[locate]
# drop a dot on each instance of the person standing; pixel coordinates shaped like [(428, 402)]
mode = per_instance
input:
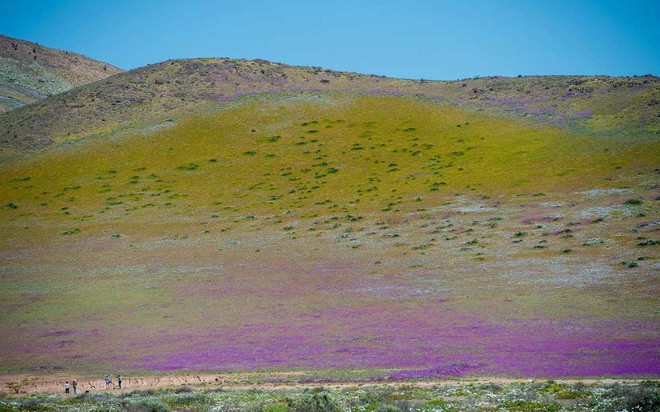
[(75, 387), (66, 387), (119, 380), (108, 381)]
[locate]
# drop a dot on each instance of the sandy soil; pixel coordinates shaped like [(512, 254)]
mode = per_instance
[(53, 384)]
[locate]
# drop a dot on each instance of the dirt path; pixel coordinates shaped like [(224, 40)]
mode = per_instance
[(54, 384)]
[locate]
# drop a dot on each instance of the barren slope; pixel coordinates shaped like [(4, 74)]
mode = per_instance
[(30, 72)]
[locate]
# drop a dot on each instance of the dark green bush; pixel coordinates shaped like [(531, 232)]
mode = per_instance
[(643, 397), (315, 402), (189, 166), (183, 389), (521, 405), (388, 408), (145, 405)]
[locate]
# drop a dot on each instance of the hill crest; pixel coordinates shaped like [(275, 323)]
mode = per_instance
[(145, 97), (29, 72)]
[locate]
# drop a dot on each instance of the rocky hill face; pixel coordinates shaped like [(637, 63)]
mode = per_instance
[(146, 97), (30, 72)]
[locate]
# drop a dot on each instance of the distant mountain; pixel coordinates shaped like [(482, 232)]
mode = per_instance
[(30, 72), (146, 97)]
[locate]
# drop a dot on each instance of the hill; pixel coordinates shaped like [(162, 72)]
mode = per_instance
[(30, 72), (146, 97), (192, 223)]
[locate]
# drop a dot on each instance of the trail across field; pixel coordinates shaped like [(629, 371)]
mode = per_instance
[(292, 380)]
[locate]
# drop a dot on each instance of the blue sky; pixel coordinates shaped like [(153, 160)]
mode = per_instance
[(412, 39)]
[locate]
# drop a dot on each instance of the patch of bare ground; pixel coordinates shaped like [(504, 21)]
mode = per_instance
[(21, 385)]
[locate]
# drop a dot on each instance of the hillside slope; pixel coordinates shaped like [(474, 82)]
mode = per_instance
[(145, 98), (330, 230), (30, 72)]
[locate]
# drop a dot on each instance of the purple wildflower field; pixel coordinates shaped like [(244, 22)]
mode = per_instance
[(332, 321), (433, 345)]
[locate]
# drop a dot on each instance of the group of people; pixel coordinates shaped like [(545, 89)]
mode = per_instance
[(67, 387), (107, 380)]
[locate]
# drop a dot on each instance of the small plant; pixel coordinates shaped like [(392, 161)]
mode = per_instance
[(520, 405), (633, 202), (316, 402), (388, 408), (593, 241), (276, 407), (145, 405), (630, 264), (569, 394), (189, 166), (644, 397)]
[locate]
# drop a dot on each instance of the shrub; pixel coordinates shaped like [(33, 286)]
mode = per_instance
[(316, 402), (275, 407), (530, 406), (189, 166), (644, 397), (388, 408), (633, 202), (145, 405), (570, 394), (593, 241), (183, 389)]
